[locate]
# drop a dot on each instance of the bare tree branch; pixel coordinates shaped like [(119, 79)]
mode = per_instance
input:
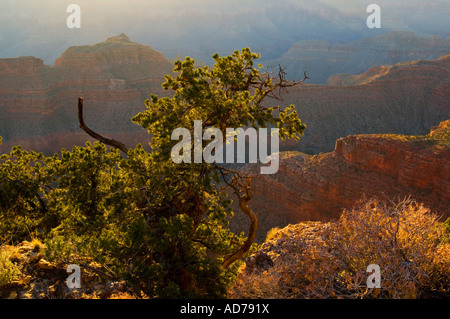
[(274, 92), (104, 140)]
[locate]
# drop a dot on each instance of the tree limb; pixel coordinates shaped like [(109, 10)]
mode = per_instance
[(243, 200), (104, 140)]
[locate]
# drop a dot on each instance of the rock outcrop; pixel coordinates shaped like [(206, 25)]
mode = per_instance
[(319, 187), (36, 278)]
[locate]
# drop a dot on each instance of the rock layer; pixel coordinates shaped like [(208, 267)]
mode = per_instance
[(38, 102), (322, 59), (406, 98), (319, 187)]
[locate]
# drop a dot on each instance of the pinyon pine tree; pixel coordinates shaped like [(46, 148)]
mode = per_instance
[(161, 226)]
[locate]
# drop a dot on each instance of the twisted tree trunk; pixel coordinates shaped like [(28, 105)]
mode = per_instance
[(243, 200)]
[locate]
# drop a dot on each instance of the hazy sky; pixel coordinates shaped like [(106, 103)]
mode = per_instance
[(29, 27)]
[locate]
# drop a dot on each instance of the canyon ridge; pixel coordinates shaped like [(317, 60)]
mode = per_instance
[(387, 167), (38, 102)]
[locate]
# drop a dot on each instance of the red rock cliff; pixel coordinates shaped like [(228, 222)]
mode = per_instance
[(38, 103), (319, 187)]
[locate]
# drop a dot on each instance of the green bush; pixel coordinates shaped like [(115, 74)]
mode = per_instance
[(9, 271)]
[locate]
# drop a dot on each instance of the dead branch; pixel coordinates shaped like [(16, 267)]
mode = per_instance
[(275, 90), (104, 140)]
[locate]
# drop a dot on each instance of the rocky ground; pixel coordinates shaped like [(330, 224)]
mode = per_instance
[(39, 279)]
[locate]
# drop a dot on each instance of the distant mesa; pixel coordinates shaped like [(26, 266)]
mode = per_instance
[(38, 102), (380, 72), (115, 50)]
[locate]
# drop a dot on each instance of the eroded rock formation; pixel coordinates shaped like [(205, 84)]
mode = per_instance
[(38, 103), (319, 187)]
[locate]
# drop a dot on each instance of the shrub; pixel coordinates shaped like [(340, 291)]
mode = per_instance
[(9, 271), (329, 260)]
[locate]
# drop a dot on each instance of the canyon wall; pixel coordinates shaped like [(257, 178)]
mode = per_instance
[(38, 103), (319, 187), (406, 98), (322, 59)]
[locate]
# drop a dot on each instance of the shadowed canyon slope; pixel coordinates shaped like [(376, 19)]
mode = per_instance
[(38, 103), (385, 166), (406, 98), (322, 59)]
